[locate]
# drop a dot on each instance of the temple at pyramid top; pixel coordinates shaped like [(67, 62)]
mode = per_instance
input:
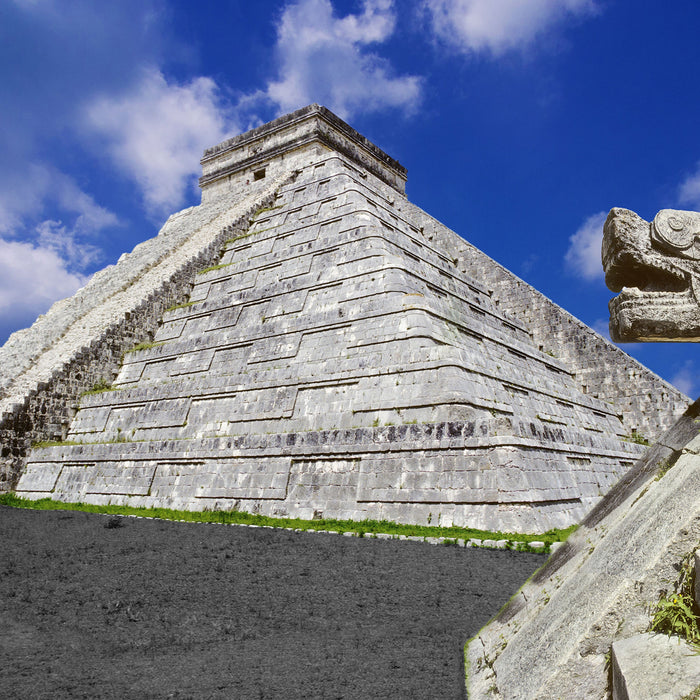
[(283, 144), (308, 343)]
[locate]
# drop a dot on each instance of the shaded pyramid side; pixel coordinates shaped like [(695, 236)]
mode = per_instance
[(335, 361), (648, 404)]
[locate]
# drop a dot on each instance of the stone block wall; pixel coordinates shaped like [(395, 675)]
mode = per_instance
[(647, 404), (321, 308), (556, 638)]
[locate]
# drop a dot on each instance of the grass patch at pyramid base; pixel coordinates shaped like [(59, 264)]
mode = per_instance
[(362, 528)]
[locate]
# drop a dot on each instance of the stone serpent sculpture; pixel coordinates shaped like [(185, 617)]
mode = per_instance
[(655, 267)]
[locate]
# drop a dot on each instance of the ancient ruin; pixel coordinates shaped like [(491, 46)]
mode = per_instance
[(656, 268), (308, 343)]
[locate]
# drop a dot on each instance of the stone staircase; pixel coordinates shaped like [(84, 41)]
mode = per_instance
[(579, 628)]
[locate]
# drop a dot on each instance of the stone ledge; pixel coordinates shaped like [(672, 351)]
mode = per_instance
[(654, 666), (598, 589)]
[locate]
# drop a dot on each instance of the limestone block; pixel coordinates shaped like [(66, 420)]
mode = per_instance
[(654, 266), (654, 666), (122, 478), (41, 477)]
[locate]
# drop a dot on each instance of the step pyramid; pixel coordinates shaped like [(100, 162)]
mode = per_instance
[(336, 361)]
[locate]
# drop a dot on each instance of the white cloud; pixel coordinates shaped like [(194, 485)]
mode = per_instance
[(91, 216), (32, 278), (686, 379), (43, 259), (689, 192), (583, 256), (27, 194), (22, 194), (497, 26), (156, 133), (66, 243), (321, 58)]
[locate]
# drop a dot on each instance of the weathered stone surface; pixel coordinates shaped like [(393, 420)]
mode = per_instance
[(647, 404), (656, 268), (654, 666), (342, 356), (552, 639)]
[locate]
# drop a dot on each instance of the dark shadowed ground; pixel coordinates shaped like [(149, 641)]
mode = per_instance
[(156, 609)]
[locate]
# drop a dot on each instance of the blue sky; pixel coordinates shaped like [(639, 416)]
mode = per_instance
[(521, 123)]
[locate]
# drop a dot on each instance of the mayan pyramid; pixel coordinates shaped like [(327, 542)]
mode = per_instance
[(329, 350)]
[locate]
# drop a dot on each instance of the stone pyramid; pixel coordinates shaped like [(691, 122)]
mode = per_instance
[(338, 353)]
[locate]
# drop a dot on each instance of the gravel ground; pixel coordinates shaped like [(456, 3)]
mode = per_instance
[(154, 609)]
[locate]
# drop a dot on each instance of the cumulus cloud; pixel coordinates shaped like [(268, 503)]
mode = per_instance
[(44, 258), (323, 58), (686, 379), (91, 217), (27, 194), (157, 131), (70, 241), (31, 279), (689, 193), (66, 242), (497, 26), (23, 193), (583, 255)]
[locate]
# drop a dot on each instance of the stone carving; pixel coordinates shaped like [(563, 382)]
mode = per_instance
[(588, 607), (656, 268)]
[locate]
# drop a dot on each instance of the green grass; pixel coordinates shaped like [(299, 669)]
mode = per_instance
[(213, 267), (665, 465), (676, 613), (100, 387), (235, 239), (693, 695), (185, 305), (636, 437), (144, 346), (362, 527), (52, 443), (264, 210), (229, 241)]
